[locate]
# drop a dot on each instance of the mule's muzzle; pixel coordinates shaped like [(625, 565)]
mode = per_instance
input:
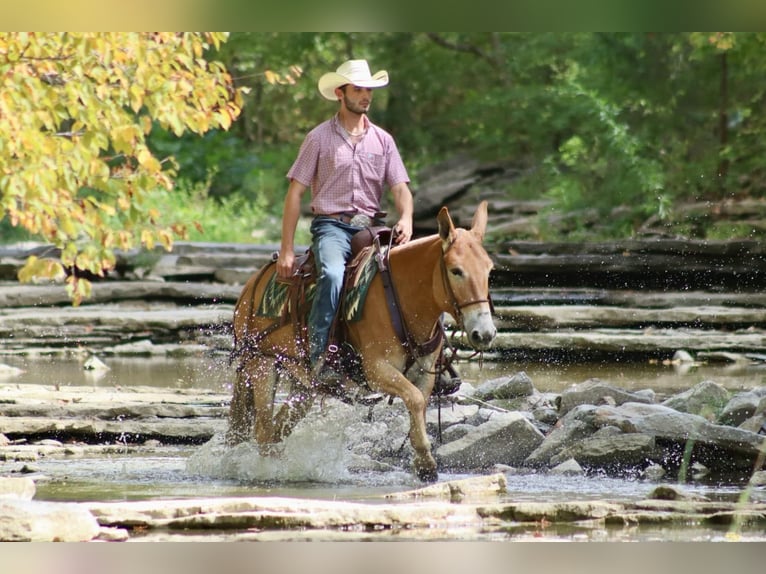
[(480, 329), (482, 339)]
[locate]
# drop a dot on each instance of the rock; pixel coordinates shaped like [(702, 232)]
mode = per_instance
[(654, 433), (591, 392), (452, 415), (508, 387), (756, 424), (743, 406), (569, 467), (614, 453), (17, 488), (653, 472), (482, 415), (506, 438), (95, 364), (667, 492), (568, 430), (458, 490), (551, 512), (456, 432), (35, 521), (705, 399), (546, 415), (106, 534), (699, 471), (721, 448), (682, 357), (758, 478)]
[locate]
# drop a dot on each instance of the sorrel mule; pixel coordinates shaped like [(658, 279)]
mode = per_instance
[(443, 273)]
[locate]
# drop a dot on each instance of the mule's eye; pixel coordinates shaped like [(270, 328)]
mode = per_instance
[(457, 272)]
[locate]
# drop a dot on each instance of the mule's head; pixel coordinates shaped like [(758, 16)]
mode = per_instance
[(466, 267)]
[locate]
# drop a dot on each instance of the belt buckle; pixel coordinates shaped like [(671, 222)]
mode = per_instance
[(361, 220)]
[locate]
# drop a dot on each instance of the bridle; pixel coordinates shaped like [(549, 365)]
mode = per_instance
[(456, 306), (414, 349)]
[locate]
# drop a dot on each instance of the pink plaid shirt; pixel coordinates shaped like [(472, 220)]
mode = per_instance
[(344, 177)]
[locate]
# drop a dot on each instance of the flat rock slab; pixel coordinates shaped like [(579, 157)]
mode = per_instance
[(95, 415), (425, 519)]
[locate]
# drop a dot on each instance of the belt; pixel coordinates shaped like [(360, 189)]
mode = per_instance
[(355, 219)]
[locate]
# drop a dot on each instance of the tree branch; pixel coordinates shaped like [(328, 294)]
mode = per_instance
[(467, 48)]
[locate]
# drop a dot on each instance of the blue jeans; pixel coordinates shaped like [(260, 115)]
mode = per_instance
[(331, 245)]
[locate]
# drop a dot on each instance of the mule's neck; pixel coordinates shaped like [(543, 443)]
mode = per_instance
[(417, 277)]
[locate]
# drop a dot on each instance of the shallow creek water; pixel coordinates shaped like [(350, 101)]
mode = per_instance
[(310, 469)]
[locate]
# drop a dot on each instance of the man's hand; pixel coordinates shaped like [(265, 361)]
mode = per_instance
[(402, 231), (285, 263)]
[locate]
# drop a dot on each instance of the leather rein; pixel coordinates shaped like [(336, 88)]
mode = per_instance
[(414, 349)]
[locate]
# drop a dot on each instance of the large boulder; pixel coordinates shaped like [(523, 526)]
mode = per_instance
[(596, 391), (705, 399), (662, 435), (506, 438)]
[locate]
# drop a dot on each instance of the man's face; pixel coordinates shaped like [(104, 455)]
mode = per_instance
[(356, 99)]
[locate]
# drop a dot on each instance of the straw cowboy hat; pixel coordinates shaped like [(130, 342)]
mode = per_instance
[(355, 72)]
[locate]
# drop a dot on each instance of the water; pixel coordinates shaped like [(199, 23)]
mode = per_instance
[(214, 373), (317, 462)]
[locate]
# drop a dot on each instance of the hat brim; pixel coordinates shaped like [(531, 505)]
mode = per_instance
[(332, 80)]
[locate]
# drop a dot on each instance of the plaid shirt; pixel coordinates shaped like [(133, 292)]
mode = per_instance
[(344, 177)]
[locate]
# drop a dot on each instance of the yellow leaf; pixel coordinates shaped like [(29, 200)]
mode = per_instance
[(148, 161), (271, 77), (224, 119), (147, 238)]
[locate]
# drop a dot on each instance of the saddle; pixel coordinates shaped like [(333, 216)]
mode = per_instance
[(296, 292), (369, 243)]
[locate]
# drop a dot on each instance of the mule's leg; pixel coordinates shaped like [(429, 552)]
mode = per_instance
[(266, 377), (297, 405), (385, 378), (241, 409)]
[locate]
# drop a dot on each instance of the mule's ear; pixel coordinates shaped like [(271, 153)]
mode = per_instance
[(446, 227), (479, 223)]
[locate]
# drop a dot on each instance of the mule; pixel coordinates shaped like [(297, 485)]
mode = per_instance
[(443, 273)]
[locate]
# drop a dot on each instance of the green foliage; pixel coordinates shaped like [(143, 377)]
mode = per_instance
[(75, 167), (618, 128), (232, 219)]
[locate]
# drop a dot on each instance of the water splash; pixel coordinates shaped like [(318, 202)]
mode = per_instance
[(318, 450)]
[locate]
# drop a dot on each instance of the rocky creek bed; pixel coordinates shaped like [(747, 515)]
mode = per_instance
[(497, 432), (494, 431)]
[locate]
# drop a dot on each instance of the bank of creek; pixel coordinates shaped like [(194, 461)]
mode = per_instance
[(624, 400)]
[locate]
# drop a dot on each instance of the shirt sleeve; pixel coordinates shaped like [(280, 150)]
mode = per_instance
[(395, 170), (304, 168)]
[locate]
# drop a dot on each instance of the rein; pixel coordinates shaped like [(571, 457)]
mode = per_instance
[(416, 350)]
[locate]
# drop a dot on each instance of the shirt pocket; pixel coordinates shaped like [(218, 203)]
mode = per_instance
[(372, 166)]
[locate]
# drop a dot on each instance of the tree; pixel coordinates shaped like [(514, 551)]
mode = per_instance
[(75, 112)]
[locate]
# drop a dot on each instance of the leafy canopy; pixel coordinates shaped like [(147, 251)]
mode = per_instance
[(75, 112)]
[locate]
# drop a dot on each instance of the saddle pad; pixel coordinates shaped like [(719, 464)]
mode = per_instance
[(362, 271), (276, 301)]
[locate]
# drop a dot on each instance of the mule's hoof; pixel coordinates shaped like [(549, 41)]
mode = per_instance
[(427, 474), (233, 438), (271, 449)]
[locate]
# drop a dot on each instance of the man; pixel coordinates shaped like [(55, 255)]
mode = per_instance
[(347, 161)]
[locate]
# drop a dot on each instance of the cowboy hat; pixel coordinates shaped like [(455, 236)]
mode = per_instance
[(355, 72)]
